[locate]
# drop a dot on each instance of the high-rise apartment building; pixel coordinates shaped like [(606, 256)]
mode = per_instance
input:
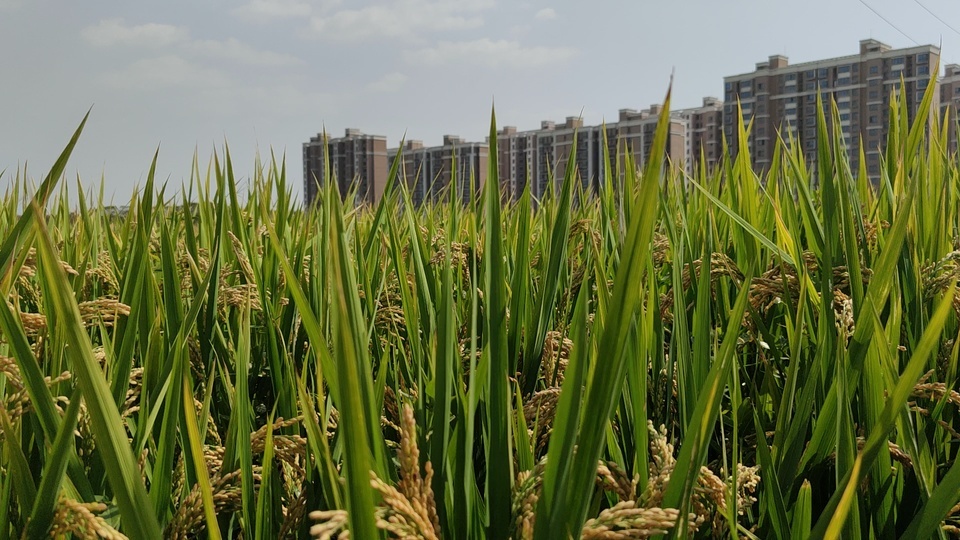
[(517, 159), (536, 156), (634, 131), (356, 160), (704, 135), (950, 103), (429, 172), (781, 99), (532, 156)]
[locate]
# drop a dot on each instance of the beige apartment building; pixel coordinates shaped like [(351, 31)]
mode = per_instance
[(704, 134), (517, 159), (634, 131), (356, 160), (781, 99), (429, 173), (536, 156), (950, 103)]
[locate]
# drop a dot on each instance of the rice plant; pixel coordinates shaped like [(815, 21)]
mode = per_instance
[(734, 354)]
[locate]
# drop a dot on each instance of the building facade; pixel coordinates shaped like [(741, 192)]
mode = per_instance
[(781, 99), (430, 173), (704, 134), (950, 103), (539, 157), (356, 160)]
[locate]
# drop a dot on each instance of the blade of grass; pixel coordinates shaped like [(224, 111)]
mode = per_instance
[(834, 515), (499, 411), (136, 512), (41, 515)]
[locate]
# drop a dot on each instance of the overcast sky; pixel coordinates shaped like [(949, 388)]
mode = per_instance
[(186, 75)]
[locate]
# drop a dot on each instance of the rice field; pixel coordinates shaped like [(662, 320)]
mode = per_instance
[(729, 355)]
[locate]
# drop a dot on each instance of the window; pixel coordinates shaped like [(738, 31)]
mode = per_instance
[(843, 69), (923, 57), (810, 86), (759, 86), (810, 122), (874, 82), (845, 81), (923, 70), (873, 119), (874, 94), (843, 93), (746, 94), (844, 117), (728, 86), (791, 76), (922, 83), (822, 73), (811, 98), (897, 61), (874, 107), (874, 70)]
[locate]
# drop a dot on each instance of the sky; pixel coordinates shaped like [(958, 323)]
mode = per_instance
[(188, 77)]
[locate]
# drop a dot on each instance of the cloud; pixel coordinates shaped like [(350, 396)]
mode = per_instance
[(165, 72), (271, 10), (390, 82), (490, 53), (546, 14), (213, 91), (168, 72), (401, 19), (110, 32), (241, 53), (115, 32)]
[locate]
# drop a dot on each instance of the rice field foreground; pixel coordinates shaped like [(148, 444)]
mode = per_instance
[(729, 355)]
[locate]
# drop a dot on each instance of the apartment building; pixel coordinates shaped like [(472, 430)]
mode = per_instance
[(588, 160), (536, 156), (950, 103), (781, 98), (529, 157), (430, 172), (517, 161), (704, 134), (634, 132), (356, 160)]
